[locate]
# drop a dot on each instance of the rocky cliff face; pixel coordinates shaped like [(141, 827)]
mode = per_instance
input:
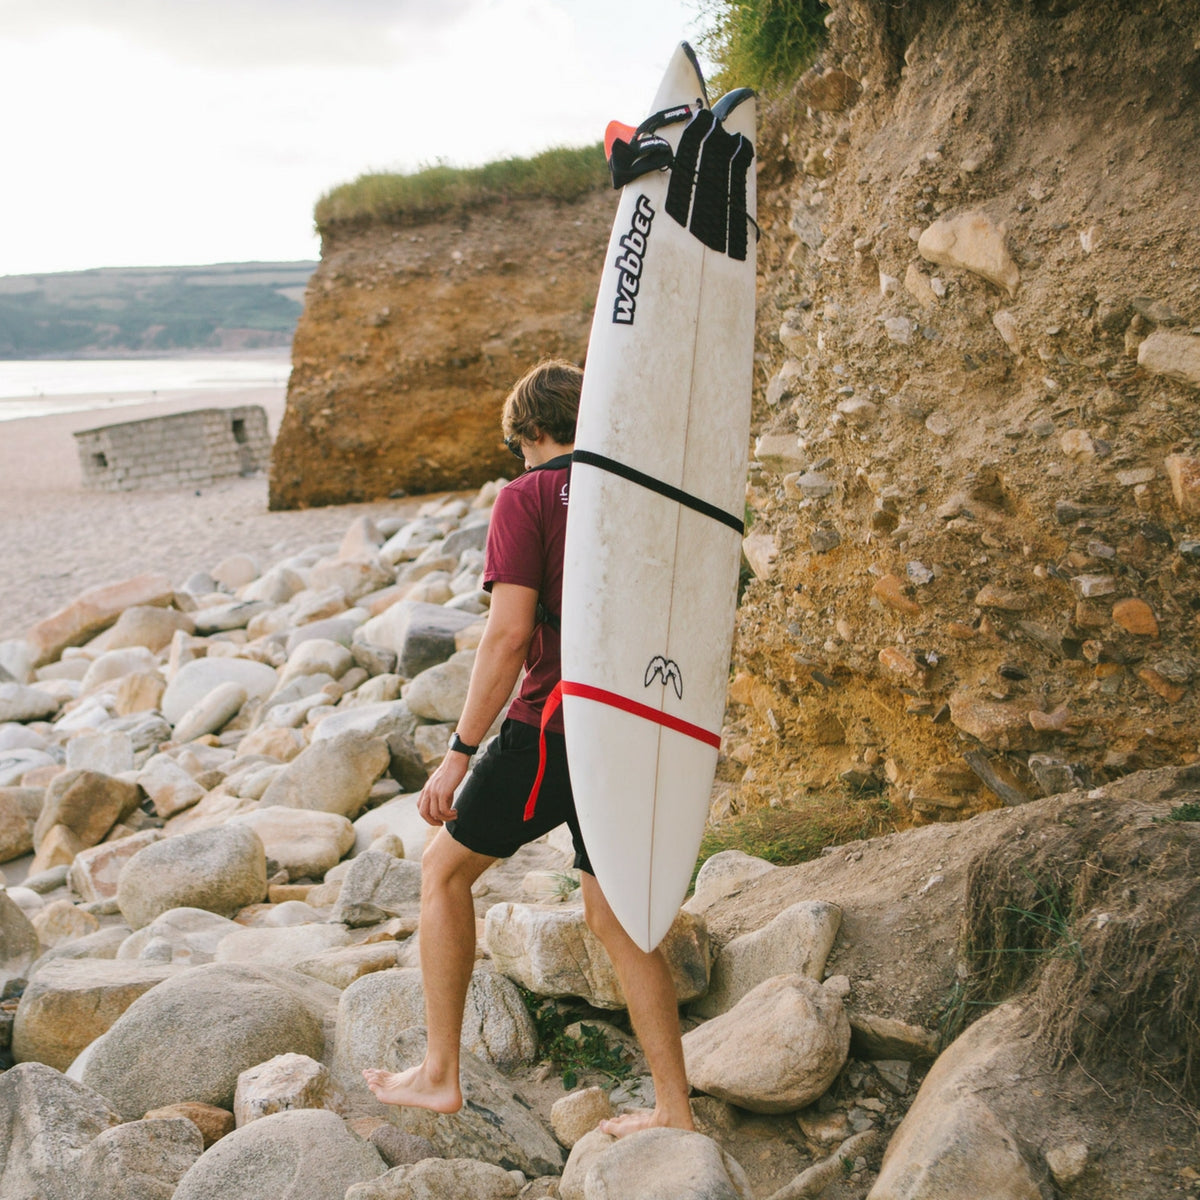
[(411, 337), (976, 491), (976, 486)]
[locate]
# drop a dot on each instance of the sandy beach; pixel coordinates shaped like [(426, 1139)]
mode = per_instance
[(57, 539)]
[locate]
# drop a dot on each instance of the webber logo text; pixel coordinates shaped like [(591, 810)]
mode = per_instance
[(629, 262)]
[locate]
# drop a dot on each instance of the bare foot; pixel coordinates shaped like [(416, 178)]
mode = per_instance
[(643, 1118), (414, 1089)]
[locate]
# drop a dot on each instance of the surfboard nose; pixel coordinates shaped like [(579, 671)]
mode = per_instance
[(683, 81)]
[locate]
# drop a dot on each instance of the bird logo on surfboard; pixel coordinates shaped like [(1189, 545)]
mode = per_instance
[(668, 671)]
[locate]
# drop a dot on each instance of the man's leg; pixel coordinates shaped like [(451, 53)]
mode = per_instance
[(654, 1011), (447, 941)]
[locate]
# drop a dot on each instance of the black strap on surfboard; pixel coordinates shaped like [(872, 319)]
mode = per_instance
[(663, 489), (643, 152), (707, 192)]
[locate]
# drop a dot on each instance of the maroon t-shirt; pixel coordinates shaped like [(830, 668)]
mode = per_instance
[(525, 546)]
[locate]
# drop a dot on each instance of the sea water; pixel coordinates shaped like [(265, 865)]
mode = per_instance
[(41, 387)]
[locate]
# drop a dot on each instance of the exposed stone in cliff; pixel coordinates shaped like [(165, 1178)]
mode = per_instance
[(411, 337)]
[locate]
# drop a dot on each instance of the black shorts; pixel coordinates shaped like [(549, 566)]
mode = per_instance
[(491, 804)]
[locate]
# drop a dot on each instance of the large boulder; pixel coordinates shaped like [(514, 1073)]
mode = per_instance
[(193, 1035), (284, 946), (169, 786), (439, 1179), (286, 1081), (220, 870), (109, 752), (18, 940), (656, 1164), (19, 702), (316, 656), (94, 872), (552, 952), (93, 611), (439, 692), (19, 809), (724, 874), (305, 843), (113, 664), (88, 803), (496, 1124), (300, 1154), (497, 1027), (399, 817), (420, 635), (777, 1050), (46, 1123), (103, 944), (391, 720), (952, 1141), (331, 776), (69, 1003), (140, 1160), (189, 936), (342, 966), (196, 679), (378, 886), (212, 712), (60, 921), (797, 942), (16, 763), (145, 625)]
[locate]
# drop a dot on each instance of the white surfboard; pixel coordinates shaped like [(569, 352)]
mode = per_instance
[(654, 527)]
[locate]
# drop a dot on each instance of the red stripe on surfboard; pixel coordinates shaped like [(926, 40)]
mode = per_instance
[(614, 700)]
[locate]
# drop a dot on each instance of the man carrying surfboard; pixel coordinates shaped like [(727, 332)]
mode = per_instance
[(523, 572)]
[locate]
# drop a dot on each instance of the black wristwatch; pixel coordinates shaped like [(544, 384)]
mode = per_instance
[(456, 743)]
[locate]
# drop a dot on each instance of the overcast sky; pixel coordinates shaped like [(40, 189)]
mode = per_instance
[(168, 132)]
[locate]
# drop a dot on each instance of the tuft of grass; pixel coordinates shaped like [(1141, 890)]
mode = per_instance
[(563, 173), (591, 1052), (1185, 812), (761, 43), (792, 834)]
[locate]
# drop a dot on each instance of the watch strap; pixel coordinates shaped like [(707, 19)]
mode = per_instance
[(457, 744)]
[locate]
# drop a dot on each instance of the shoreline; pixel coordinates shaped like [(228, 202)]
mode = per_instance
[(58, 539)]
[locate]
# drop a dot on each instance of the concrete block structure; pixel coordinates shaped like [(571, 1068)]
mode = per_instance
[(177, 451)]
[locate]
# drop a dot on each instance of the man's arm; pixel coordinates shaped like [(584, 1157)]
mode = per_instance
[(498, 662)]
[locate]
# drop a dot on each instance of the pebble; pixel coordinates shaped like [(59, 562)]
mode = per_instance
[(1183, 471), (1135, 616), (824, 538), (1161, 686), (993, 596), (1088, 586), (971, 241), (889, 590)]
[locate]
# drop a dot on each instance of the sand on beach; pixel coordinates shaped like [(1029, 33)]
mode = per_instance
[(58, 539)]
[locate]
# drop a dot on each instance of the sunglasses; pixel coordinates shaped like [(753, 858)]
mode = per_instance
[(514, 446)]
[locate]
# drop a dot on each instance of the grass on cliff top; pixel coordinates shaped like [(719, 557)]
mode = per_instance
[(761, 43), (564, 173)]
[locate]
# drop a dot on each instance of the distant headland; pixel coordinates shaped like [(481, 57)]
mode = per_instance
[(133, 311)]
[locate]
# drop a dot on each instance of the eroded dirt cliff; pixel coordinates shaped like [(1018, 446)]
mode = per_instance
[(412, 336), (974, 497)]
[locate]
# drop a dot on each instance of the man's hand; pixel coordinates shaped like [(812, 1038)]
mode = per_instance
[(436, 801)]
